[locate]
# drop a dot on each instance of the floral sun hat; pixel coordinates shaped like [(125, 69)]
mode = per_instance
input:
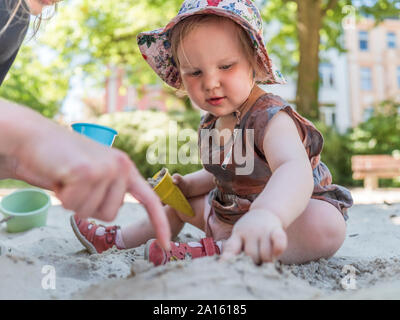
[(156, 47)]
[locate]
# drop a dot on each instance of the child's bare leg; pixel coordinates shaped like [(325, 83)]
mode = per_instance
[(137, 234), (317, 233)]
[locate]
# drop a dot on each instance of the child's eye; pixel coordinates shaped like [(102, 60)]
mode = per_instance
[(196, 73), (226, 67)]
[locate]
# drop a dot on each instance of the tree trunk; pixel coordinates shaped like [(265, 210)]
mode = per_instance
[(309, 23)]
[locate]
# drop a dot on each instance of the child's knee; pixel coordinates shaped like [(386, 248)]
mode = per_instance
[(330, 232)]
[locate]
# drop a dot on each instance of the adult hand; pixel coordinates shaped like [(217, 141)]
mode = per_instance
[(87, 177), (259, 234)]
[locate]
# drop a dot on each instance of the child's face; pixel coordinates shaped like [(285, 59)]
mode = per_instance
[(214, 69)]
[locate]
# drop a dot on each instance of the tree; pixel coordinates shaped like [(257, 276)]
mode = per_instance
[(35, 84), (303, 23), (94, 34)]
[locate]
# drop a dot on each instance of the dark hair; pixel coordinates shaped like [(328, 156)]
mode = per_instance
[(14, 9)]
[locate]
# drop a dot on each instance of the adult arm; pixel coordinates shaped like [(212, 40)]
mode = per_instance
[(87, 177)]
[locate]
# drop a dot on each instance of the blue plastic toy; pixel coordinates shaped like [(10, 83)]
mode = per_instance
[(101, 134)]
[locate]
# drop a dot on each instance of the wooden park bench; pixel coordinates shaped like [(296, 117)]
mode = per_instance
[(372, 167)]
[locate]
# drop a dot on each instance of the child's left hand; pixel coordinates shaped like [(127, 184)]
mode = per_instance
[(182, 184), (259, 234)]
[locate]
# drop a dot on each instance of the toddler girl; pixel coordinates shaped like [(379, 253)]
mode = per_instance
[(284, 206)]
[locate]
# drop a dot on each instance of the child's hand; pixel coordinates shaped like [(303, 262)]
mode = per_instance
[(182, 184), (259, 234)]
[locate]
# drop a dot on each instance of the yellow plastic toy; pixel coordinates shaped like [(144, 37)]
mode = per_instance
[(170, 194)]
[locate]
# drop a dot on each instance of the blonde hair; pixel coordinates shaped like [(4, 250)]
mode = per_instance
[(36, 23), (184, 27)]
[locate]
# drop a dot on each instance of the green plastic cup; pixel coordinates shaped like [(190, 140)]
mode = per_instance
[(26, 209)]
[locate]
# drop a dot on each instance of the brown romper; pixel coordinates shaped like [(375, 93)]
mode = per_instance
[(234, 193)]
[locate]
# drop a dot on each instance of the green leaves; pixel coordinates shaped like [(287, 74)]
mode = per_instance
[(140, 130), (381, 133), (38, 85), (96, 33), (282, 40)]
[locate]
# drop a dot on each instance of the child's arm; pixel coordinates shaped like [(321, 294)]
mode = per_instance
[(290, 187), (195, 184), (260, 232)]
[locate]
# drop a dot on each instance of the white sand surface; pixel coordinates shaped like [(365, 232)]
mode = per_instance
[(368, 263)]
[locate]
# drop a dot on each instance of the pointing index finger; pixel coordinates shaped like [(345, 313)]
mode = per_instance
[(141, 190)]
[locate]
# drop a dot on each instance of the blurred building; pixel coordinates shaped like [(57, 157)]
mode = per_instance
[(373, 66), (333, 94), (353, 83), (122, 97)]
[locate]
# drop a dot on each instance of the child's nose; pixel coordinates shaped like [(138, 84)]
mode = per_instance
[(211, 82)]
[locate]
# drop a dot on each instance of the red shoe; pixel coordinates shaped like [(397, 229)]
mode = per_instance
[(85, 231), (179, 251)]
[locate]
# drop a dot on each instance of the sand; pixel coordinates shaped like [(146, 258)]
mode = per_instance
[(50, 263)]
